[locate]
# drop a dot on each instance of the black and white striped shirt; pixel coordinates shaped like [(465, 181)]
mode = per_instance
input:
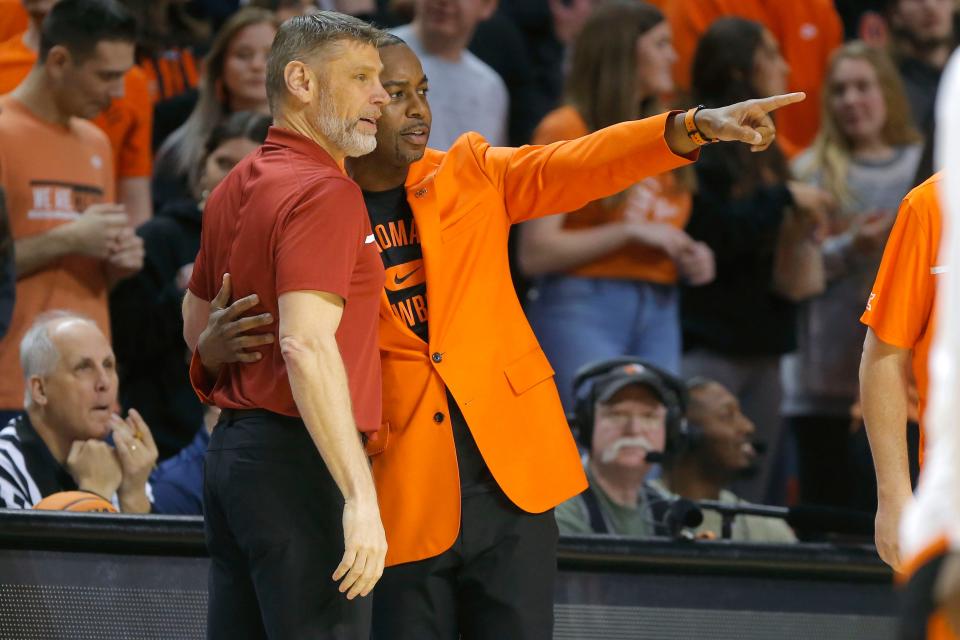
[(18, 489)]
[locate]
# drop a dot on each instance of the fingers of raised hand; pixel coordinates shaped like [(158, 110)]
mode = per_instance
[(241, 306), (244, 325), (776, 102), (223, 295)]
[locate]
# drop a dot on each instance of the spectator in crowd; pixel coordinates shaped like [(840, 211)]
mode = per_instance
[(165, 49), (807, 30), (760, 226), (608, 273), (72, 243), (714, 449), (233, 79), (177, 483), (622, 410), (127, 118), (13, 19), (469, 95), (900, 319), (58, 444), (924, 35), (145, 309), (630, 414), (865, 156), (8, 270)]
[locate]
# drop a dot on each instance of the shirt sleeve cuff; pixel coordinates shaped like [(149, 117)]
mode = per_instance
[(200, 380)]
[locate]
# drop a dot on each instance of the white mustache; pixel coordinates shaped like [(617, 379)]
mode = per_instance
[(610, 453)]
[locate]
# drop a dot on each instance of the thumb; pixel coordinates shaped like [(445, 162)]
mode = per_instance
[(75, 449), (223, 296)]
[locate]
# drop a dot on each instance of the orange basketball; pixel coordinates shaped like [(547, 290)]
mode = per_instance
[(75, 501)]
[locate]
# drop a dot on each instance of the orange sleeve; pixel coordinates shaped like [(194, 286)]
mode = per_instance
[(135, 157), (903, 293), (565, 176), (561, 124)]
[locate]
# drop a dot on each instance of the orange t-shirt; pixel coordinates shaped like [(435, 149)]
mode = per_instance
[(13, 18), (807, 31), (656, 199), (901, 309), (49, 174), (128, 121)]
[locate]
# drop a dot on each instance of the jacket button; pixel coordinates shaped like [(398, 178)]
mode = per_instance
[(437, 357), (438, 417)]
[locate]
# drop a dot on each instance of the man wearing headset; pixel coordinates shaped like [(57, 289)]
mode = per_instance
[(630, 415), (622, 408), (714, 447)]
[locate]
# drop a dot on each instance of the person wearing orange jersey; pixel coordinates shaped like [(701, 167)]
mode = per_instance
[(606, 275), (808, 31), (900, 317), (127, 120)]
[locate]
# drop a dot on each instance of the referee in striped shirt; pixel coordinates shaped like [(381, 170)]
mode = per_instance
[(58, 443)]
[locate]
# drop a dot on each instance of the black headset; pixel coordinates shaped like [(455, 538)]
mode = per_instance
[(680, 436)]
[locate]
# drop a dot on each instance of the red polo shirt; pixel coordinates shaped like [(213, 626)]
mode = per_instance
[(287, 219)]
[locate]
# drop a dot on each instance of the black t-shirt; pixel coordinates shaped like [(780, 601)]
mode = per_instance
[(398, 240)]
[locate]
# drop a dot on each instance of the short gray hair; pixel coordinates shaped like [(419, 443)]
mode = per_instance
[(301, 37), (38, 354)]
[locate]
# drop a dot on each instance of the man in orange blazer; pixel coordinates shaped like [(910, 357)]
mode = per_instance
[(474, 451)]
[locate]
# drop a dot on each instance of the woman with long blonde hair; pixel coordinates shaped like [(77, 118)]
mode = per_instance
[(233, 79), (606, 275), (866, 156)]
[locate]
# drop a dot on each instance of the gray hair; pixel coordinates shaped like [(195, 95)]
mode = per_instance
[(302, 37), (38, 354)]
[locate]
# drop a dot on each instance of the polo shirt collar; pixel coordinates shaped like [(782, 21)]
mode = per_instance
[(48, 474), (281, 137)]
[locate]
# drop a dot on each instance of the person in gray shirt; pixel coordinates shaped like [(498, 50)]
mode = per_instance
[(866, 156), (466, 94)]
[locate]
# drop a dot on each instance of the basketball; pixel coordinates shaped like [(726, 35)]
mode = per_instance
[(75, 501)]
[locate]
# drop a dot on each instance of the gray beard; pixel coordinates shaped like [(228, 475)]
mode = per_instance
[(343, 134)]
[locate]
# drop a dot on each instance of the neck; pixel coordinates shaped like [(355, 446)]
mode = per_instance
[(31, 37), (299, 123), (621, 485), (35, 94), (690, 480), (240, 104), (447, 49), (872, 149), (58, 445), (936, 55), (374, 175)]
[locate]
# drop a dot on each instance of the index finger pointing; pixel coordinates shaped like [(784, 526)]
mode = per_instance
[(775, 102)]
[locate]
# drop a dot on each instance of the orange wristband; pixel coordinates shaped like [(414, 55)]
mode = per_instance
[(693, 132)]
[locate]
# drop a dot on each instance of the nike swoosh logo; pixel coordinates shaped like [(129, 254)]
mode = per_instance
[(369, 239), (398, 280)]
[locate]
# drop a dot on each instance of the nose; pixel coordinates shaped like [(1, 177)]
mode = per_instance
[(380, 96), (102, 382), (747, 426), (418, 106), (259, 61)]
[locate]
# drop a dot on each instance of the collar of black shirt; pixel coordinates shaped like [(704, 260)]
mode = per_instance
[(49, 475)]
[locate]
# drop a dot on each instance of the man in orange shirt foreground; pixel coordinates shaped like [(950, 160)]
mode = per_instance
[(72, 242), (127, 119), (900, 316), (474, 450)]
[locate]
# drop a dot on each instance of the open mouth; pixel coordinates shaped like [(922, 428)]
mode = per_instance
[(417, 135)]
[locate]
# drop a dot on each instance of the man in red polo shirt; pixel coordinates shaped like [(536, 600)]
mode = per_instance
[(292, 511)]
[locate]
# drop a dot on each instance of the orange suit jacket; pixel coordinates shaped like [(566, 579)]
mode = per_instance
[(481, 347)]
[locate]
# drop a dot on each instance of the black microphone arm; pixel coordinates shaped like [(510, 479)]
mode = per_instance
[(810, 517)]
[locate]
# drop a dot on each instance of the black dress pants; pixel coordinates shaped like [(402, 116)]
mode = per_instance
[(495, 583), (274, 530)]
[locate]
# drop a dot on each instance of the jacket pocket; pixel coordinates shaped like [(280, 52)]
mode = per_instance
[(379, 444), (528, 371)]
